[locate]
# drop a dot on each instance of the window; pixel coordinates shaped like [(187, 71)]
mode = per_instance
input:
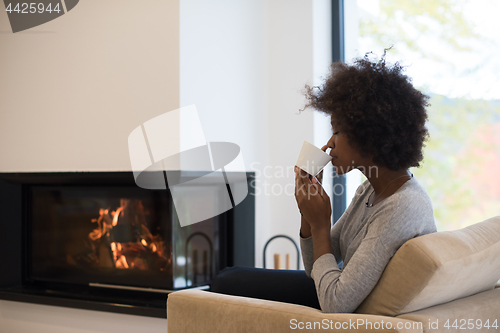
[(451, 50)]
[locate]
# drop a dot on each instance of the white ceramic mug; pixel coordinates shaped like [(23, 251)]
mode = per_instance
[(312, 159)]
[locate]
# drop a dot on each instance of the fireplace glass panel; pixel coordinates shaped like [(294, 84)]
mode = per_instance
[(122, 236)]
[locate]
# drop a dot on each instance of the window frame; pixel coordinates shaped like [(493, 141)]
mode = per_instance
[(338, 54)]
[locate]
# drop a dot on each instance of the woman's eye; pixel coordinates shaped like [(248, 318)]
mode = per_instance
[(335, 133)]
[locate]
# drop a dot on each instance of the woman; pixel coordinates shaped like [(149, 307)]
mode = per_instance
[(378, 121)]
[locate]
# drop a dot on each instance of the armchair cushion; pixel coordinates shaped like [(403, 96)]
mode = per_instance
[(438, 268), (193, 311), (477, 310)]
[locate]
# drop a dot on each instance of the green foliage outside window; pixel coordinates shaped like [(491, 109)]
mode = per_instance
[(462, 157)]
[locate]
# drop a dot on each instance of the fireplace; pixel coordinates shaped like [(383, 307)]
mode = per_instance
[(95, 240)]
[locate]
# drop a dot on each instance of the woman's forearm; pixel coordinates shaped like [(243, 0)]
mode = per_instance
[(321, 238), (305, 228), (321, 242)]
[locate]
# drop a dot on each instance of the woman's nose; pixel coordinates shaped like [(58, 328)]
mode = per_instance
[(330, 143)]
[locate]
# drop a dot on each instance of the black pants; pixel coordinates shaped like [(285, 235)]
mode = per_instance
[(270, 284)]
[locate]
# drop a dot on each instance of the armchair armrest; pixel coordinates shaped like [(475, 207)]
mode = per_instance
[(201, 311)]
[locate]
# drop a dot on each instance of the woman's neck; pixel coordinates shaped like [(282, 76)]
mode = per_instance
[(385, 182)]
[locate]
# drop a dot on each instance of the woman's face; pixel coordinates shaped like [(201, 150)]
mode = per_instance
[(344, 157)]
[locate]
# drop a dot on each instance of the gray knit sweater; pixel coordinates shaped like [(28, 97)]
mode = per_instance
[(363, 241)]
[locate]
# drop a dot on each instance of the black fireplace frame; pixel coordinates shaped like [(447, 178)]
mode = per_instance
[(237, 226)]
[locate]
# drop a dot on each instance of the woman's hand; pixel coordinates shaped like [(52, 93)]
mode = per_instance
[(320, 175), (312, 200)]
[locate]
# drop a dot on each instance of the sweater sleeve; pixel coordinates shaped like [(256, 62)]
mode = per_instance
[(306, 244), (396, 221), (307, 250), (342, 291)]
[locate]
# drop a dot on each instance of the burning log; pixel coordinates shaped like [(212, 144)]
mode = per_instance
[(123, 240)]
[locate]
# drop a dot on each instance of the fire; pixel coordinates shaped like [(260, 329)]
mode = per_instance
[(123, 240)]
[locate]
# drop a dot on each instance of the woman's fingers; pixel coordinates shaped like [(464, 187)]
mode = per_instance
[(314, 188), (306, 192), (323, 194), (299, 181), (318, 190), (320, 176), (301, 172), (308, 185)]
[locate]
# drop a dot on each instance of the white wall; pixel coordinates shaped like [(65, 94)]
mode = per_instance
[(71, 92), (322, 53), (290, 67), (243, 63), (299, 53), (74, 88), (224, 72)]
